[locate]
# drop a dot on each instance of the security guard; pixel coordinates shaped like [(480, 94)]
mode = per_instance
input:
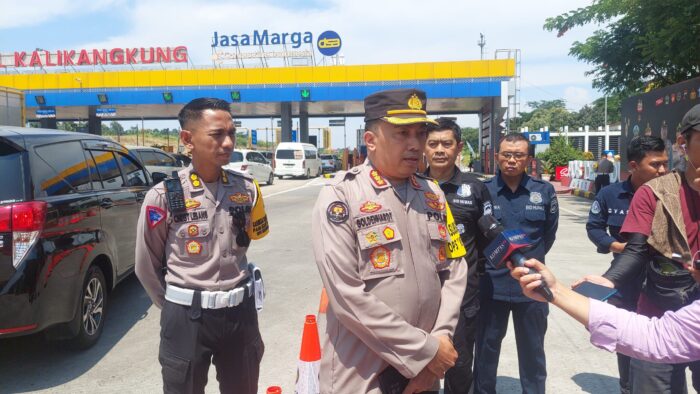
[(527, 204), (647, 159), (192, 238), (468, 199), (390, 259)]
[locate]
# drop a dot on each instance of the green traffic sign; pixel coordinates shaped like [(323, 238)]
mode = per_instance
[(235, 95), (306, 94)]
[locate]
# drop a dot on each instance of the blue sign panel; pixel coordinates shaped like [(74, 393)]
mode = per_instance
[(537, 137), (254, 137), (294, 136), (46, 113), (105, 112), (329, 43)]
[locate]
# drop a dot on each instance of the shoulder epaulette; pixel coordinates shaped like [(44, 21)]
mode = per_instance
[(239, 174), (344, 175)]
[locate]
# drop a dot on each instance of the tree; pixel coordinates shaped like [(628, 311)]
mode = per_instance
[(550, 114), (645, 44), (559, 153), (116, 127)]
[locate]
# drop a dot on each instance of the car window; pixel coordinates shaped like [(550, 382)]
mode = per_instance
[(135, 175), (290, 154), (60, 169), (94, 175), (165, 160), (236, 157), (149, 158), (12, 174), (108, 169), (310, 154), (251, 156), (260, 158)]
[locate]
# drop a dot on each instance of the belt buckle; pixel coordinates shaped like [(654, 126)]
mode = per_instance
[(222, 299)]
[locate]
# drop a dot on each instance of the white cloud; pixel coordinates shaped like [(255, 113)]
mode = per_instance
[(34, 12), (576, 97)]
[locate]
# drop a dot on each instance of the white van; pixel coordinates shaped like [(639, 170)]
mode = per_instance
[(297, 159)]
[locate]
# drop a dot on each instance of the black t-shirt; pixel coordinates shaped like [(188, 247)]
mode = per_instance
[(469, 200)]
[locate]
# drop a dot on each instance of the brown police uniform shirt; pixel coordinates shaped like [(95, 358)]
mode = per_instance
[(199, 244), (390, 285)]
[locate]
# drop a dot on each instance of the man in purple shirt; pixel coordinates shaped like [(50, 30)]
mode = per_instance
[(672, 338)]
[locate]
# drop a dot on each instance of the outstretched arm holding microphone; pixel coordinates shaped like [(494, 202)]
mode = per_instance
[(673, 338)]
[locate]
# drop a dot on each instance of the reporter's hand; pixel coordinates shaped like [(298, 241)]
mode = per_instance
[(530, 282), (617, 247), (444, 359), (422, 382), (597, 279)]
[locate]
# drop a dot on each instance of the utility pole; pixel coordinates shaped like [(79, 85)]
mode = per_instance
[(606, 110), (481, 43)]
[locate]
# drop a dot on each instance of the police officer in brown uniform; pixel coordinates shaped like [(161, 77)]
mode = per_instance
[(192, 238), (381, 237)]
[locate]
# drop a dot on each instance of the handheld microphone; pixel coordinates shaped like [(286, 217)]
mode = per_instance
[(504, 245)]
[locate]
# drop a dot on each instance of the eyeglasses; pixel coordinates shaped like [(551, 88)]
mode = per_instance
[(513, 155), (242, 238)]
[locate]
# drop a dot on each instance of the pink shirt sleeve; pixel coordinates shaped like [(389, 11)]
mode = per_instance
[(641, 212), (673, 338)]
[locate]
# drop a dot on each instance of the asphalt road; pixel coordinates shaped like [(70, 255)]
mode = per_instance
[(125, 359)]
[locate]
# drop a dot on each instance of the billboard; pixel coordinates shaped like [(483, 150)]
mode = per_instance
[(659, 113)]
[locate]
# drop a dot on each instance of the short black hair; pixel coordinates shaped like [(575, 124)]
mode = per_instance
[(371, 125), (639, 147), (447, 124), (513, 137), (193, 110)]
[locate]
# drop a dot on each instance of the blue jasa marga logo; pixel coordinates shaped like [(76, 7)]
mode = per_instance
[(329, 43)]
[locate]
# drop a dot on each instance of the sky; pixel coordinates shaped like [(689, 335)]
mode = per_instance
[(373, 32)]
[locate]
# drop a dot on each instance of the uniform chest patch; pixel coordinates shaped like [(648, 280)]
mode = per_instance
[(191, 203), (380, 257), (431, 196), (370, 207), (155, 215), (337, 212), (193, 216), (464, 190), (371, 220), (193, 230), (389, 233), (436, 205), (536, 198), (240, 198), (595, 208), (193, 247)]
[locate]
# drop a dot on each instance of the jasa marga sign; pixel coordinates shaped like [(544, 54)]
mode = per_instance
[(328, 42)]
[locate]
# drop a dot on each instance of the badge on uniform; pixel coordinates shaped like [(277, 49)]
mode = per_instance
[(370, 207), (431, 196), (377, 179), (380, 257), (442, 230), (239, 198), (191, 203), (155, 215), (595, 208), (224, 177), (193, 247), (389, 233), (193, 230), (436, 205), (554, 207), (535, 198), (442, 254), (464, 190), (414, 182), (194, 180), (488, 208), (372, 238), (337, 212)]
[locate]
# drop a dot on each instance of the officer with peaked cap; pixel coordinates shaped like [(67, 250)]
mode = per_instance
[(390, 258)]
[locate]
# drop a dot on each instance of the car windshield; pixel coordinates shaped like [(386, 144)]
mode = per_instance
[(13, 180), (236, 157), (327, 157)]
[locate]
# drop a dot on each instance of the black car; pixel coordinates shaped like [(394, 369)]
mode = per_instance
[(69, 205)]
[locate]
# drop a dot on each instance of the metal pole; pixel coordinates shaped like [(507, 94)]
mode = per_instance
[(606, 110), (345, 141)]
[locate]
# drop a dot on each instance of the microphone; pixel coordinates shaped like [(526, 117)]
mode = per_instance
[(504, 245)]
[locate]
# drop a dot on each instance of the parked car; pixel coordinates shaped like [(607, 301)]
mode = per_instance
[(69, 206), (328, 163), (156, 160), (252, 163), (182, 159), (268, 155), (297, 159)]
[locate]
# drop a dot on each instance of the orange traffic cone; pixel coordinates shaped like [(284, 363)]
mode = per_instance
[(309, 359), (323, 304), (274, 390)]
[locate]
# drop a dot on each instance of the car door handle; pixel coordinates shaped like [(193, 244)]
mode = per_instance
[(106, 203)]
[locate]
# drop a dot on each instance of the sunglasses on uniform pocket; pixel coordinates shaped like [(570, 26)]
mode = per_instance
[(242, 238)]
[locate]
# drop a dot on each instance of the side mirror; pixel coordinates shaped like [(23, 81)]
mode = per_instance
[(158, 177)]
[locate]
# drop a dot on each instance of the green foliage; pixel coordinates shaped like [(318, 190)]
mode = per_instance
[(554, 115), (558, 154), (644, 44)]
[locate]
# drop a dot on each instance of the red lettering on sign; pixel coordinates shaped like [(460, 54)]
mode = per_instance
[(68, 57), (180, 54), (131, 56), (35, 60), (47, 56), (19, 59), (99, 56), (83, 59), (143, 56), (116, 56)]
